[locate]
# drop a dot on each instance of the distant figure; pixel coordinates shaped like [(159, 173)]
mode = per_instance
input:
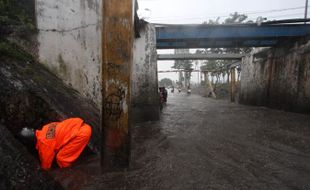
[(189, 90), (163, 94), (66, 140)]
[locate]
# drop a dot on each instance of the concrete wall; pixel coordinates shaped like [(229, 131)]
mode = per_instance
[(278, 77), (145, 100), (70, 42), (70, 46)]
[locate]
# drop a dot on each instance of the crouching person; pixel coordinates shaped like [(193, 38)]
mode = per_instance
[(65, 140)]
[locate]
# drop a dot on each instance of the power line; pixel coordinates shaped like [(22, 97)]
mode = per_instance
[(279, 16), (205, 19), (246, 13), (227, 15), (275, 10)]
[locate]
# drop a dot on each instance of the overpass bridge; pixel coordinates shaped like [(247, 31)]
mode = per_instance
[(209, 56), (230, 36), (228, 66)]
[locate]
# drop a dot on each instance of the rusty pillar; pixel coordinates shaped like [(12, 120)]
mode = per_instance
[(117, 47), (232, 84)]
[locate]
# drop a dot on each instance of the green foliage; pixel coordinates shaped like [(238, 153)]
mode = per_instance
[(165, 82), (218, 66), (17, 16), (11, 50), (183, 65), (213, 65), (236, 18), (211, 22)]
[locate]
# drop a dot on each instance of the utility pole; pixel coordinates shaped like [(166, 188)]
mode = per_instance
[(232, 84), (306, 10)]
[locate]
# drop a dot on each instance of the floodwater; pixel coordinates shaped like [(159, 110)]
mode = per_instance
[(201, 143)]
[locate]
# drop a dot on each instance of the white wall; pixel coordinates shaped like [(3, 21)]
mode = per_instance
[(144, 93), (70, 42)]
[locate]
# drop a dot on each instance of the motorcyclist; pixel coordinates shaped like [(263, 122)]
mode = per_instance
[(189, 90)]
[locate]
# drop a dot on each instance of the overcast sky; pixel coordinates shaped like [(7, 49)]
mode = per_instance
[(198, 11)]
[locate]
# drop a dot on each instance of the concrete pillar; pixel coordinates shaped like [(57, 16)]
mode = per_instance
[(232, 84), (270, 75), (208, 83), (185, 79), (180, 79), (117, 46), (145, 99)]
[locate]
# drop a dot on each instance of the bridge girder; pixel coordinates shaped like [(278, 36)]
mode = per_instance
[(227, 36), (209, 56)]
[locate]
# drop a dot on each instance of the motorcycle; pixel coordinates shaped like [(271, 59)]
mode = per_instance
[(189, 91)]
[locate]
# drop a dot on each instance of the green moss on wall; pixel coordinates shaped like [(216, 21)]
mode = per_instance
[(62, 65), (10, 50)]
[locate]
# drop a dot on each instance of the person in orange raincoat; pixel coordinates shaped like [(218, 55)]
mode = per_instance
[(65, 140)]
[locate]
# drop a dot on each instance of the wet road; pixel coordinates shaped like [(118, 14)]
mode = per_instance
[(201, 143)]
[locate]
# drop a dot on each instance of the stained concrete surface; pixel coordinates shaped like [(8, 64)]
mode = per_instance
[(278, 77), (31, 96), (144, 87), (201, 143)]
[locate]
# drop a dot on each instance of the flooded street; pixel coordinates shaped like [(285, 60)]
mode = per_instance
[(201, 143), (68, 65)]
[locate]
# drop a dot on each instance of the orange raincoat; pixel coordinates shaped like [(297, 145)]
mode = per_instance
[(65, 139)]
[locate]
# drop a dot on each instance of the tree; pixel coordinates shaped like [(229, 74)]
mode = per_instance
[(218, 68), (183, 65), (165, 82), (236, 18), (17, 19)]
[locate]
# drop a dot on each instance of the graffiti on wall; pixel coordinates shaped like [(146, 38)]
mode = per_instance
[(114, 102), (115, 109)]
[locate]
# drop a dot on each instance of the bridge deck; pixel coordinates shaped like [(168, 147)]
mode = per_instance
[(213, 36), (209, 56)]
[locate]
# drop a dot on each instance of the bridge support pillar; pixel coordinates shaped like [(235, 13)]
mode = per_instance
[(145, 99), (208, 85), (117, 47), (232, 84)]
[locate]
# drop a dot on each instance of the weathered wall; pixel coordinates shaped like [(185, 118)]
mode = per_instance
[(31, 96), (145, 102), (70, 42), (278, 77)]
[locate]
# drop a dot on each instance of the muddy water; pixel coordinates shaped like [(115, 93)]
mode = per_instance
[(201, 143)]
